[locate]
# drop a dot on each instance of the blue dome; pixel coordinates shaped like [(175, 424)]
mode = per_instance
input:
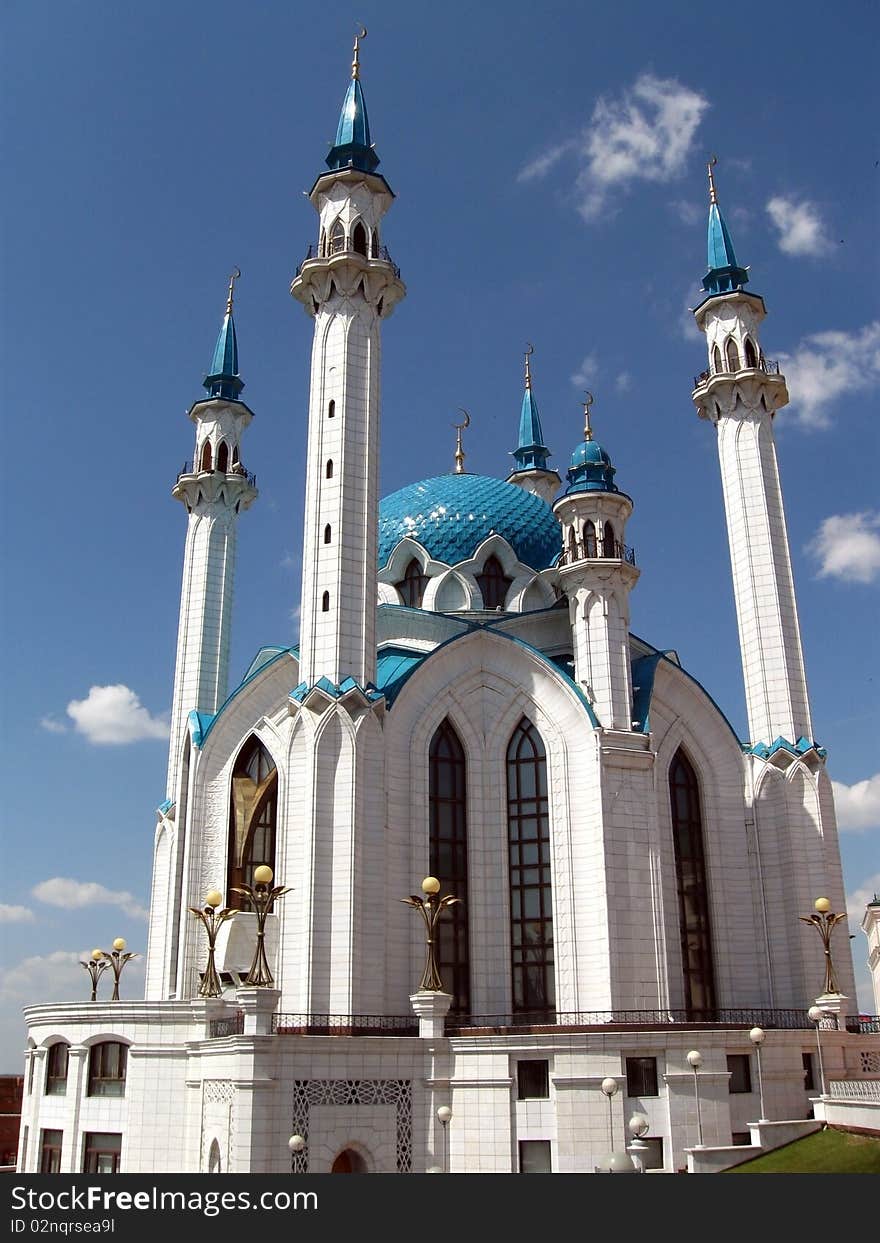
[(590, 452), (451, 515), (591, 470)]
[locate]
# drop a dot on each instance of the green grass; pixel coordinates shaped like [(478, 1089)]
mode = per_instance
[(825, 1152)]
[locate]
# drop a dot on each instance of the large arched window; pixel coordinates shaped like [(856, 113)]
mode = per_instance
[(412, 585), (531, 902), (359, 239), (493, 584), (223, 457), (206, 456), (447, 797), (252, 818), (751, 356), (693, 898), (732, 355)]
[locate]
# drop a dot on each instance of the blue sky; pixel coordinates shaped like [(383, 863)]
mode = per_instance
[(550, 174)]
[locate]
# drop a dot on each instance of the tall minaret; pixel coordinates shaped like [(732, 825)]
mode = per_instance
[(740, 392), (532, 473), (597, 572), (214, 488), (348, 286)]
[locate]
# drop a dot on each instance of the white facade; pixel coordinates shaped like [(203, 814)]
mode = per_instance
[(631, 872)]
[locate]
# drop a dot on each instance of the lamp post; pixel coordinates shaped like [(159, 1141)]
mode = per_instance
[(263, 898), (116, 959), (610, 1089), (212, 921), (638, 1126), (96, 966), (817, 1014), (825, 921), (695, 1061), (444, 1114), (431, 908), (756, 1035), (295, 1146)]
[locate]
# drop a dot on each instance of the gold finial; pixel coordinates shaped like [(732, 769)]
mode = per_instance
[(587, 403), (530, 349), (713, 196), (459, 452), (232, 279), (356, 64)]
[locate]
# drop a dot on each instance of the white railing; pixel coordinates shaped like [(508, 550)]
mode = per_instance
[(855, 1089)]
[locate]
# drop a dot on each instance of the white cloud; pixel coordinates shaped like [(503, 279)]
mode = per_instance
[(858, 805), (586, 372), (623, 383), (15, 914), (847, 546), (53, 725), (800, 227), (859, 899), (113, 715), (644, 135), (542, 164), (830, 365), (688, 213), (75, 894)]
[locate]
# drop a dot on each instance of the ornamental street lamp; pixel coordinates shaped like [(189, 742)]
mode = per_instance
[(431, 908), (695, 1061), (212, 921), (263, 899), (756, 1035), (116, 959), (817, 1014), (444, 1114), (638, 1126), (96, 966), (825, 921), (610, 1089)]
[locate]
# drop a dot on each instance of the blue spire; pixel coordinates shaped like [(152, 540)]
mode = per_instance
[(353, 148), (531, 453), (724, 273), (223, 379), (591, 469)]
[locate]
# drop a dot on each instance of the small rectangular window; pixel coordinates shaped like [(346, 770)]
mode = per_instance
[(809, 1081), (534, 1156), (532, 1080), (101, 1153), (652, 1159), (50, 1152), (741, 1138), (641, 1076), (739, 1066)]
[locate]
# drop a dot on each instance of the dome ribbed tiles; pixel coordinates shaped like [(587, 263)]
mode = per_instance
[(451, 515)]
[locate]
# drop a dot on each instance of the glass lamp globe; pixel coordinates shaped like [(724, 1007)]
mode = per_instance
[(263, 874)]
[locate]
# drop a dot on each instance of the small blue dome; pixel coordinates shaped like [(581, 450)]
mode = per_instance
[(591, 470), (451, 515), (589, 452)]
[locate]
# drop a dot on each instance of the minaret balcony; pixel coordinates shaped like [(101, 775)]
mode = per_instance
[(237, 472), (236, 487), (764, 365), (618, 553), (381, 255)]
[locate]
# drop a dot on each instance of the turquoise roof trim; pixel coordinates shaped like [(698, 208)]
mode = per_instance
[(199, 726), (335, 690), (223, 379), (393, 667), (165, 806), (531, 453), (801, 747), (353, 148), (451, 515), (724, 273), (205, 723), (644, 669)]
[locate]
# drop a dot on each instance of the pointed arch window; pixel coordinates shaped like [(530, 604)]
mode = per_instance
[(223, 457), (693, 897), (412, 585), (328, 534), (751, 354), (609, 543), (329, 468), (493, 584), (531, 898), (252, 818), (337, 238), (447, 798), (206, 456), (322, 244), (359, 239), (325, 602), (716, 360), (732, 355), (331, 410), (590, 545)]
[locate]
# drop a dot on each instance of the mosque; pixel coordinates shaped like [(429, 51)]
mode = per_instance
[(466, 702)]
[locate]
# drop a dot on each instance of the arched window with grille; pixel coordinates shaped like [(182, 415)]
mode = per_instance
[(751, 354), (412, 585), (590, 545), (337, 237), (253, 814), (493, 584), (531, 898), (223, 457), (693, 896), (206, 456), (448, 861), (359, 239), (609, 542), (732, 355), (716, 360)]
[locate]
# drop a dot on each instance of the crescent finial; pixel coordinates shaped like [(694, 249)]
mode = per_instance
[(355, 63), (236, 273)]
